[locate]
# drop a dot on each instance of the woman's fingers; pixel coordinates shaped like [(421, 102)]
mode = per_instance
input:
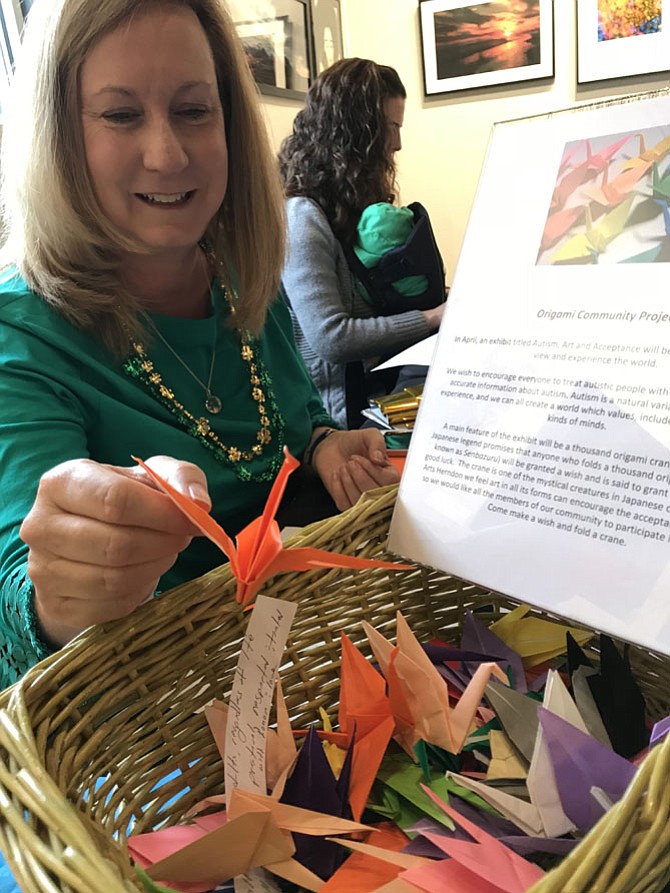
[(185, 477), (100, 538), (356, 477), (113, 496), (77, 538), (77, 594)]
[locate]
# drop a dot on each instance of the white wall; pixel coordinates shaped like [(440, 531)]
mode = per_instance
[(445, 137)]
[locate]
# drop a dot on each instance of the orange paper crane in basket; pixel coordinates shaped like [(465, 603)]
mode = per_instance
[(258, 553), (418, 697)]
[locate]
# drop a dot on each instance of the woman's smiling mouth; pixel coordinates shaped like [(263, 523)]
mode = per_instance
[(165, 198)]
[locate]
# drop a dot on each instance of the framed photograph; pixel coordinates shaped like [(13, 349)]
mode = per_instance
[(617, 39), (467, 45), (277, 45), (327, 27), (265, 49)]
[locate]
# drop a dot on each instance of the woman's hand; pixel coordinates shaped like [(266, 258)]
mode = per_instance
[(351, 462), (434, 316), (100, 538)]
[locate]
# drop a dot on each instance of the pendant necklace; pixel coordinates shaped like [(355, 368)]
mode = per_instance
[(268, 439), (213, 404)]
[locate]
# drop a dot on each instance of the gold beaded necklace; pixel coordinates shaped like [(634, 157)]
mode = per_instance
[(270, 433), (213, 404)]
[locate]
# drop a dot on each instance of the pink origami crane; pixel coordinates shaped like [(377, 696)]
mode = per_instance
[(418, 697), (258, 553)]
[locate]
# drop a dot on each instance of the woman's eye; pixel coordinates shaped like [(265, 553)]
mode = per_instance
[(121, 116), (193, 112)]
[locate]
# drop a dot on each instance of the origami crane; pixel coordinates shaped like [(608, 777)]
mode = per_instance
[(483, 863), (598, 161), (365, 712), (611, 192), (255, 832), (536, 640), (594, 164), (258, 552), (617, 695), (418, 695), (585, 247), (655, 153)]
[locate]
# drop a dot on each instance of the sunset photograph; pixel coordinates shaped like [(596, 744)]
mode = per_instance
[(483, 37)]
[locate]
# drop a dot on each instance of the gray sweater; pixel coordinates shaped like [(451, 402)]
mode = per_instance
[(333, 324)]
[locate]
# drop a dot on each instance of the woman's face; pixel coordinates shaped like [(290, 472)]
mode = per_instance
[(394, 110), (154, 131)]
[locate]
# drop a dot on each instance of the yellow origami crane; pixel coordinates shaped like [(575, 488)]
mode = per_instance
[(258, 552), (586, 246)]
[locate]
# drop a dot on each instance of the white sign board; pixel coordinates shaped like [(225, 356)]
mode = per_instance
[(540, 462)]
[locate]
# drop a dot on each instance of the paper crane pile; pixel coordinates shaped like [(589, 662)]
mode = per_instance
[(535, 775), (450, 766)]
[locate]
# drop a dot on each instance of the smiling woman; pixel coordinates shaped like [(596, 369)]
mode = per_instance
[(155, 143), (138, 315)]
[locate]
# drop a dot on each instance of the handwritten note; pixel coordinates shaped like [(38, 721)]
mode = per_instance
[(250, 702), (253, 689)]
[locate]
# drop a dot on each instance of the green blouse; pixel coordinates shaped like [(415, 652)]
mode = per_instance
[(64, 396)]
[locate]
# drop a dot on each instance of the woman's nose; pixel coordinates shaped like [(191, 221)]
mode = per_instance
[(163, 149)]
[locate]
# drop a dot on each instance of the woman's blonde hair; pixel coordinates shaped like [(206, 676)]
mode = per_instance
[(57, 235)]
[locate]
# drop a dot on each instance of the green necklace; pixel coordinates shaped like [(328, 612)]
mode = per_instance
[(270, 434)]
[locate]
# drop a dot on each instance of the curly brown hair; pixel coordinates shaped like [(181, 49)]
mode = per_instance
[(338, 153)]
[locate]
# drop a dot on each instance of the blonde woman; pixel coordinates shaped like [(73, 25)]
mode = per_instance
[(138, 316)]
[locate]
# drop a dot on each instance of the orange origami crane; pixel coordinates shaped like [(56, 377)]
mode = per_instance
[(258, 553), (418, 697), (364, 715)]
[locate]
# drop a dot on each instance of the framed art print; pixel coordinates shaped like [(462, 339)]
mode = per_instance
[(620, 38), (467, 45), (265, 48), (277, 45)]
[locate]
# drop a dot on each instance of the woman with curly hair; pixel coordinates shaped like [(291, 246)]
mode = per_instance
[(338, 161)]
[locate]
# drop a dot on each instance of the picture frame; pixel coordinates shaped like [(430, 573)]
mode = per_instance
[(612, 45), (277, 44), (327, 31), (470, 45), (265, 48)]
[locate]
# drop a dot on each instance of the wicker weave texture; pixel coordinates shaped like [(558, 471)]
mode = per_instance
[(88, 736)]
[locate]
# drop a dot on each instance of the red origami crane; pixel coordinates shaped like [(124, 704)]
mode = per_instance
[(258, 553)]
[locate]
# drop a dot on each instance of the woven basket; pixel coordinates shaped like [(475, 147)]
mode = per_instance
[(87, 735)]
